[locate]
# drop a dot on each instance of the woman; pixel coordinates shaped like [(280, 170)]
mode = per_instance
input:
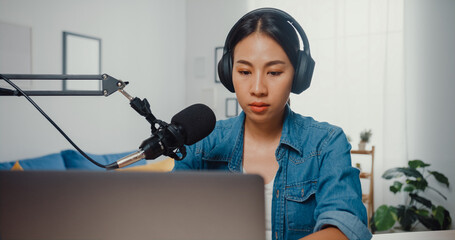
[(311, 189)]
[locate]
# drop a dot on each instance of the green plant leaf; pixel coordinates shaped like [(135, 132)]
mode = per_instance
[(384, 218), (447, 220), (438, 214), (427, 203), (432, 222), (398, 172), (396, 187), (422, 212), (419, 184), (429, 222), (440, 177), (365, 135), (417, 164), (406, 216), (409, 188), (372, 224)]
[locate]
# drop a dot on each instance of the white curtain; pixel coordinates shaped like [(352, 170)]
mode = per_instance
[(358, 82)]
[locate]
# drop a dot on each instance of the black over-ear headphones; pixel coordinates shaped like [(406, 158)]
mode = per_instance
[(303, 69)]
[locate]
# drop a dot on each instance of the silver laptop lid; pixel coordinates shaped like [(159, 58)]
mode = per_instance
[(131, 205)]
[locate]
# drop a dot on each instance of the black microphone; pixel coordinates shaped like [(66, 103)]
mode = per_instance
[(187, 127)]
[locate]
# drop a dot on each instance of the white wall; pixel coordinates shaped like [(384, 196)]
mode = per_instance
[(207, 25), (143, 42), (430, 79)]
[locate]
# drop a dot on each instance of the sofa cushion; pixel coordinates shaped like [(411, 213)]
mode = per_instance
[(6, 165), (52, 161), (74, 160)]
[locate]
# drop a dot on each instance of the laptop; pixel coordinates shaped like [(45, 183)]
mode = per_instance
[(131, 205)]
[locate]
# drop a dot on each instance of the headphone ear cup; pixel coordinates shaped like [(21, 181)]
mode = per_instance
[(303, 73), (225, 71)]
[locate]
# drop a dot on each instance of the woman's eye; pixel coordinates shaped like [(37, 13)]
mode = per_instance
[(244, 72), (275, 73)]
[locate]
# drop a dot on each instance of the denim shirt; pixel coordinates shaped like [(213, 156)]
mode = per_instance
[(315, 184)]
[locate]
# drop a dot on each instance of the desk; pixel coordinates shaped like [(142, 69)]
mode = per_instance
[(424, 235)]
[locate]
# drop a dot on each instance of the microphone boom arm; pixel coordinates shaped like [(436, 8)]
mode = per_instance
[(109, 85)]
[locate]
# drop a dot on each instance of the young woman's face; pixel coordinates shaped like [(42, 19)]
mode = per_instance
[(262, 77)]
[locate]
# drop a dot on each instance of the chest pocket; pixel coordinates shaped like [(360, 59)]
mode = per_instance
[(300, 205)]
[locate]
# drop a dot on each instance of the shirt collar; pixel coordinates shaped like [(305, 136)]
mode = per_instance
[(232, 145), (233, 152), (289, 134)]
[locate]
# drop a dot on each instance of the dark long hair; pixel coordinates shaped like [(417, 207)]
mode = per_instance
[(271, 24)]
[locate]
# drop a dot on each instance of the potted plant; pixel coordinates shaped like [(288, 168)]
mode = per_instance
[(417, 209), (365, 136)]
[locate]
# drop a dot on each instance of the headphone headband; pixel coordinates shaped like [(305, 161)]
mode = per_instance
[(284, 15)]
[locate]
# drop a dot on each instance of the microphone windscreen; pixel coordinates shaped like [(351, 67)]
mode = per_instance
[(197, 121)]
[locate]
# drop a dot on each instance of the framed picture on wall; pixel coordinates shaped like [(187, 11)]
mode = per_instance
[(218, 55), (81, 55), (231, 107)]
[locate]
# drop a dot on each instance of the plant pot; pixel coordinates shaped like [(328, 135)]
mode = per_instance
[(362, 145)]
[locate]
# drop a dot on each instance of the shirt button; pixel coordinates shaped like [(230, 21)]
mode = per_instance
[(277, 193)]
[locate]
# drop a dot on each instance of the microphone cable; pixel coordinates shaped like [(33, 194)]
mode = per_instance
[(51, 121)]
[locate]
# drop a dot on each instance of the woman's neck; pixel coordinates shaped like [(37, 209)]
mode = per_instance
[(264, 131)]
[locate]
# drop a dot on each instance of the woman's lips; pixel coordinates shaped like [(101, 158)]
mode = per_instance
[(258, 107)]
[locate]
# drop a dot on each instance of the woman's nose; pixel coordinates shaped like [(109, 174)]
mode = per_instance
[(259, 86)]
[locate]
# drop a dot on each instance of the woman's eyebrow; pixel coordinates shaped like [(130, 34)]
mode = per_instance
[(274, 62), (244, 62)]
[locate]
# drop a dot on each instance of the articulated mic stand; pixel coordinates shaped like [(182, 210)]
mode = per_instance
[(109, 85)]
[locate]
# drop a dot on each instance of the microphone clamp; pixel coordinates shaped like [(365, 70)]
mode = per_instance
[(159, 129)]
